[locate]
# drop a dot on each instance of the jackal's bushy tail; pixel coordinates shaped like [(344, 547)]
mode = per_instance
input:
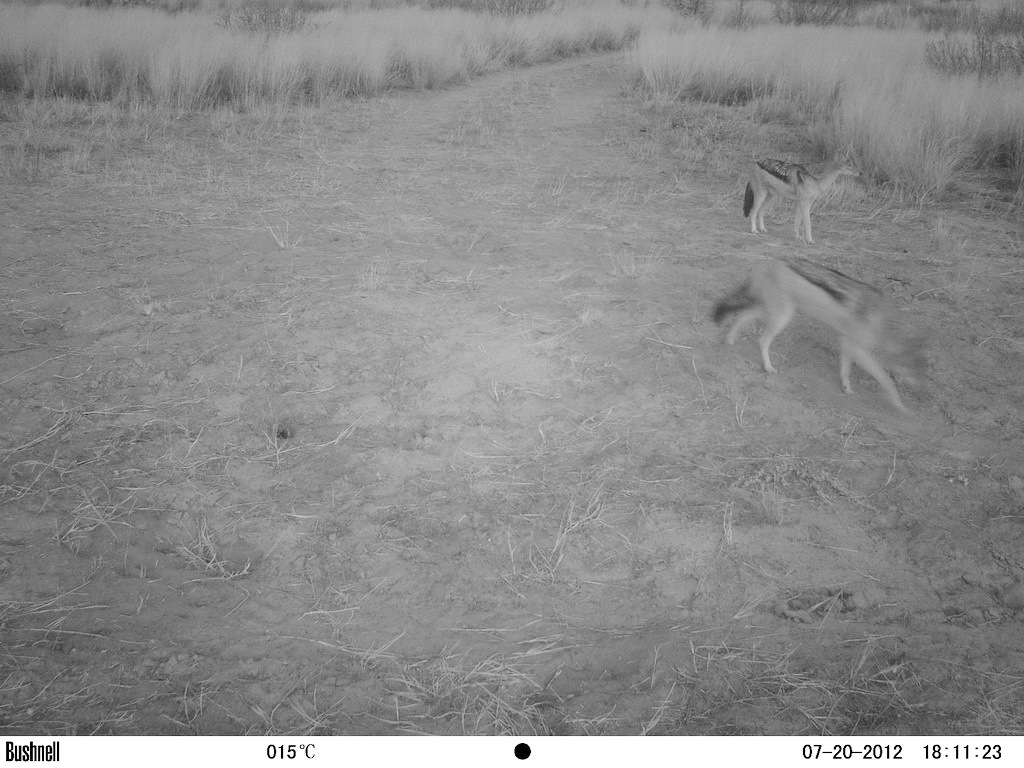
[(737, 301), (748, 200)]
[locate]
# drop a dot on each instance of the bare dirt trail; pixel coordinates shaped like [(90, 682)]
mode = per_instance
[(406, 414)]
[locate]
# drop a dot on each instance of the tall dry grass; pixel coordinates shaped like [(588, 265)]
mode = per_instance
[(188, 61), (867, 92)]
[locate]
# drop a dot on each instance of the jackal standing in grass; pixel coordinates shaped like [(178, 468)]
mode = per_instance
[(792, 181), (777, 290)]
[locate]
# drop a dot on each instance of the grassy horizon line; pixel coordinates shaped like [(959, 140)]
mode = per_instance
[(137, 55)]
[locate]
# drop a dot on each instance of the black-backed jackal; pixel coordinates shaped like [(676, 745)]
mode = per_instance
[(792, 181), (777, 290)]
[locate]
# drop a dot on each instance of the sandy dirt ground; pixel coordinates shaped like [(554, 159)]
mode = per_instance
[(406, 416)]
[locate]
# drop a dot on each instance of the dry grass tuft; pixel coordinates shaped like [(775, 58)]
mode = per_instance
[(456, 695), (263, 52), (202, 553)]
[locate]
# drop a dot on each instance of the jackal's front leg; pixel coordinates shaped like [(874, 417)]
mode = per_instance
[(803, 217)]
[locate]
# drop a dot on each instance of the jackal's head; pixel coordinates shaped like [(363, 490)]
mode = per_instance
[(728, 306)]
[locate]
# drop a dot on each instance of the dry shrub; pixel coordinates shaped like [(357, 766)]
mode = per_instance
[(269, 17), (505, 7), (821, 12)]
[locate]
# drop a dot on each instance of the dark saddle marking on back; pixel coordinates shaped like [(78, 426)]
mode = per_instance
[(790, 173), (831, 289)]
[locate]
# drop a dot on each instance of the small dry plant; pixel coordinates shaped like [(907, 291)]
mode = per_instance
[(201, 553), (454, 694)]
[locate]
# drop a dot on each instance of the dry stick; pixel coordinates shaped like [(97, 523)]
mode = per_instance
[(62, 420), (22, 373), (658, 712), (657, 340), (693, 362)]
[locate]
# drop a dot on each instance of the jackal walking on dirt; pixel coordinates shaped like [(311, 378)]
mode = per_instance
[(770, 178), (777, 290)]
